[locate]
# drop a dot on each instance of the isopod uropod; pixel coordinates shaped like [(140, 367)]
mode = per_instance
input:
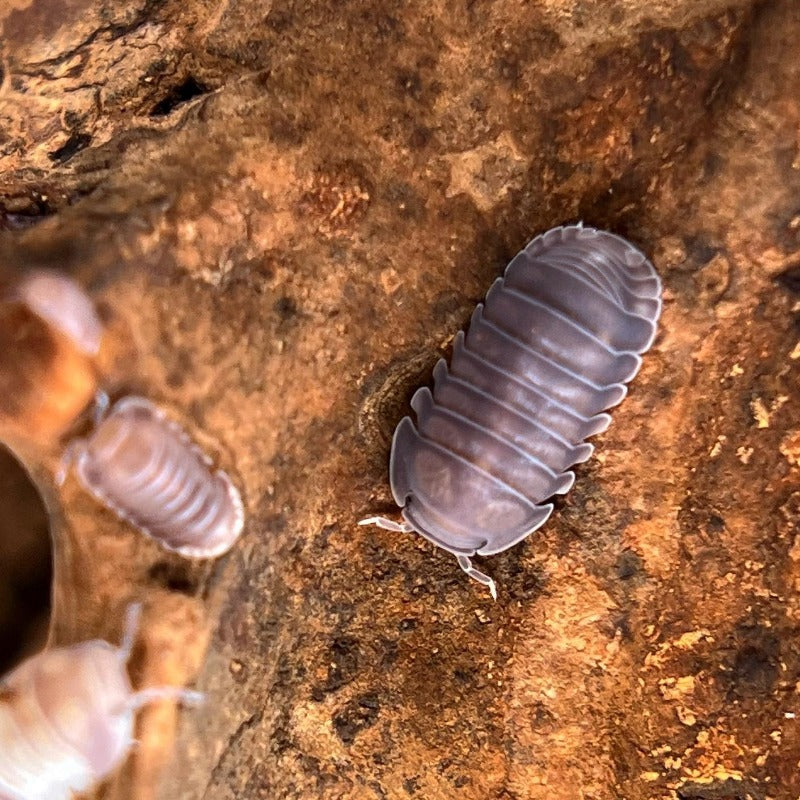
[(145, 468), (550, 349), (67, 717)]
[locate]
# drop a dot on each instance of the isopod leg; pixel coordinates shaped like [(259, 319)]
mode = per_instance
[(133, 616), (100, 407), (477, 575), (387, 524), (71, 454), (156, 693)]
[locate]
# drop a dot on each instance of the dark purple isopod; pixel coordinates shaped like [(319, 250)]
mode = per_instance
[(551, 348), (144, 467)]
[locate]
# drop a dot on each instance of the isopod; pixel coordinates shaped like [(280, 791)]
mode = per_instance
[(60, 302), (144, 467), (50, 335), (67, 717), (552, 347)]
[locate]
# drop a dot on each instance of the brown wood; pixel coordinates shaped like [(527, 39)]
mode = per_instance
[(286, 211)]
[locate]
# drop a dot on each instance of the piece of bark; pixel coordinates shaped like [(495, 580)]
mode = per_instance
[(288, 210)]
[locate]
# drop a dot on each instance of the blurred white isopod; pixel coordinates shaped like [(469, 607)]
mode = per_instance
[(64, 305), (67, 717), (50, 356)]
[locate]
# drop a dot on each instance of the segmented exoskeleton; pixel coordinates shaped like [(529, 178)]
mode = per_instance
[(550, 349)]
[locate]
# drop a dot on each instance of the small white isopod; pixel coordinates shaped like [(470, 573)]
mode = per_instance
[(144, 467), (62, 303), (67, 717), (51, 338)]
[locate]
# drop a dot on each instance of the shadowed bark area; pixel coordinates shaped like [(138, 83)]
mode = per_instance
[(285, 211)]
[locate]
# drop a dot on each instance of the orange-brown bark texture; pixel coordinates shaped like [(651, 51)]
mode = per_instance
[(285, 211)]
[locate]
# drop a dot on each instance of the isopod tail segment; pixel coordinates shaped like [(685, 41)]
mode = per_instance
[(463, 561)]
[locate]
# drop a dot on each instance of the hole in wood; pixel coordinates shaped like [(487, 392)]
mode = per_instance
[(26, 564), (178, 95)]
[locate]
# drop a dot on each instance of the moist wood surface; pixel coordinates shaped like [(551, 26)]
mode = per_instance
[(285, 211)]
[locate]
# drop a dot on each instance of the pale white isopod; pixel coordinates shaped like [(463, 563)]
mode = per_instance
[(50, 356), (67, 717), (145, 468), (64, 305)]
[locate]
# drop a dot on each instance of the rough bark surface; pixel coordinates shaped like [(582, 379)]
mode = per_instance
[(286, 211)]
